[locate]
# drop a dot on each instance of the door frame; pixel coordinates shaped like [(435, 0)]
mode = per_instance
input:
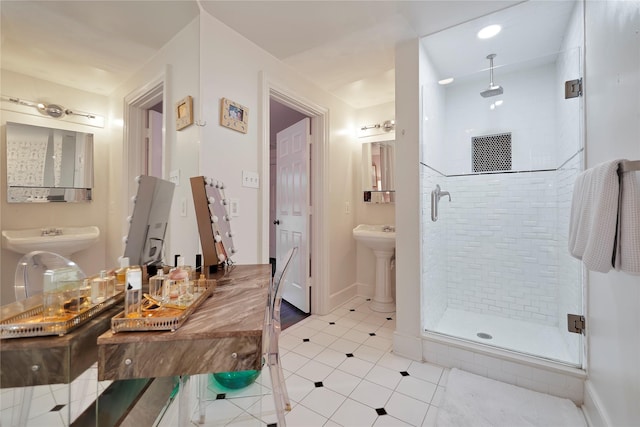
[(319, 211), (136, 103)]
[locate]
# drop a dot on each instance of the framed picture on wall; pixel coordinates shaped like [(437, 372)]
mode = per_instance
[(184, 113), (234, 116)]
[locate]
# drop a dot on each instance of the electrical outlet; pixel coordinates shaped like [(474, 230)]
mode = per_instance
[(250, 179), (347, 208), (183, 207)]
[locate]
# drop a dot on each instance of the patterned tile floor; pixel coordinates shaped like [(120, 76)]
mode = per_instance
[(339, 371)]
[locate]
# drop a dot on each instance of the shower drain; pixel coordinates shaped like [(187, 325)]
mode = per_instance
[(484, 335)]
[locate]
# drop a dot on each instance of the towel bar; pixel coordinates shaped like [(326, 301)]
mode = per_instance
[(629, 166)]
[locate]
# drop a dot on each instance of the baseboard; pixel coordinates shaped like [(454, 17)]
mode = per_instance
[(408, 346), (339, 298), (592, 408), (365, 290)]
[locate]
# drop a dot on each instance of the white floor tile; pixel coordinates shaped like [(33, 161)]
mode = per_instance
[(323, 401), (394, 362), (430, 419), (342, 382), (373, 395), (293, 361), (323, 339), (298, 387), (370, 354), (302, 416), (418, 389), (314, 371), (308, 349), (407, 409), (331, 357), (354, 414), (384, 376), (425, 371), (356, 366), (356, 336), (389, 421), (344, 346)]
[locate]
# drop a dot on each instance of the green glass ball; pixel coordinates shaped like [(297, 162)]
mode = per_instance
[(237, 379)]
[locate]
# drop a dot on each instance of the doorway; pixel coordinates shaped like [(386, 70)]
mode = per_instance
[(319, 205), (287, 228)]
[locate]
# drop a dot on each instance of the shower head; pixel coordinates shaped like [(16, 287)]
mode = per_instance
[(493, 89)]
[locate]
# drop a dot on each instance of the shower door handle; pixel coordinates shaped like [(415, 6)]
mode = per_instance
[(435, 199)]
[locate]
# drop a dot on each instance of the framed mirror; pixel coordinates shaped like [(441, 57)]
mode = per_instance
[(378, 171), (48, 165)]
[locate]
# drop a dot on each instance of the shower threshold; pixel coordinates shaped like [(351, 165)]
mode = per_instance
[(515, 335)]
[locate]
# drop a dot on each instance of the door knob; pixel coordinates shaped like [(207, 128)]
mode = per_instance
[(276, 222)]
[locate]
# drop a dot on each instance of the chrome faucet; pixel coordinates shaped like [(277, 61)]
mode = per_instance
[(436, 195)]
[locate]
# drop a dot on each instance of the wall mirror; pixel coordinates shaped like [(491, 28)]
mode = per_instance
[(378, 171), (48, 165)]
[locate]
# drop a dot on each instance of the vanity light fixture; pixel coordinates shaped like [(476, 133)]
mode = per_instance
[(489, 31), (52, 110), (387, 126)]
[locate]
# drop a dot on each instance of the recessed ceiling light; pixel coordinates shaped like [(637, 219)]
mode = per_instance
[(445, 81), (489, 31)]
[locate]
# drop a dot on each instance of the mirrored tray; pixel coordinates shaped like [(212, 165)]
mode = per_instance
[(166, 318), (25, 318)]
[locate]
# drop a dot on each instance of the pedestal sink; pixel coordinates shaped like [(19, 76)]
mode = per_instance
[(61, 240), (382, 240)]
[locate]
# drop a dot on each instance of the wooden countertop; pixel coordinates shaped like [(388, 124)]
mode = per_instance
[(223, 334)]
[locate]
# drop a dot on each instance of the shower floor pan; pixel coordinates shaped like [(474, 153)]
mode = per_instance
[(517, 335)]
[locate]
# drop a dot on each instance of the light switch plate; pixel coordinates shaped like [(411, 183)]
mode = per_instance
[(174, 176), (250, 179), (234, 207)]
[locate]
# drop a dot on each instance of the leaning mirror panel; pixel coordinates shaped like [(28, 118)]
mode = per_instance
[(48, 165)]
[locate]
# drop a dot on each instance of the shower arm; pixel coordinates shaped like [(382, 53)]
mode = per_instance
[(491, 70)]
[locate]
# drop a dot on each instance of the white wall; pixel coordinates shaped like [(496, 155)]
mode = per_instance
[(612, 94), (410, 59), (231, 67), (178, 61), (17, 216)]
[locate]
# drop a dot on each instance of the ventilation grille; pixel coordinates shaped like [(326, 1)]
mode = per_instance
[(492, 152)]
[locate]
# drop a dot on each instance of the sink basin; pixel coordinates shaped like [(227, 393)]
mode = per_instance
[(382, 240), (375, 236), (61, 240)]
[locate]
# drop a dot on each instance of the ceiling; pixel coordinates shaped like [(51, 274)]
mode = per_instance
[(345, 47)]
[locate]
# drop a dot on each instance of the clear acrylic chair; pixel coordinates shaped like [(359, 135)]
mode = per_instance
[(271, 337), (270, 349)]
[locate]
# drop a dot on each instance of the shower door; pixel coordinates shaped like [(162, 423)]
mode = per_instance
[(495, 265)]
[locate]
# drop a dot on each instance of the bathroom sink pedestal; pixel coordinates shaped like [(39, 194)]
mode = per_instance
[(381, 239), (382, 300)]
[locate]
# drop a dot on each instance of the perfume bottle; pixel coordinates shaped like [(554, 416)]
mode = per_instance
[(158, 287), (99, 288), (181, 282), (133, 292), (121, 273)]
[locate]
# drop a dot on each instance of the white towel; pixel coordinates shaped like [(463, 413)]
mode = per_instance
[(628, 245), (594, 214)]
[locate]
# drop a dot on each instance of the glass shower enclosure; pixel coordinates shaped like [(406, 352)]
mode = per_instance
[(499, 171)]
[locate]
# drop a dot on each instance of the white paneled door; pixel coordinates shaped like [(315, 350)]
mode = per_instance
[(292, 207)]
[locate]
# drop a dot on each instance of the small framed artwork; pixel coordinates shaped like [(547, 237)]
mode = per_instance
[(184, 113), (234, 116)]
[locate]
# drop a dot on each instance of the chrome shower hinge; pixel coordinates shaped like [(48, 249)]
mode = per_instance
[(576, 323), (573, 88)]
